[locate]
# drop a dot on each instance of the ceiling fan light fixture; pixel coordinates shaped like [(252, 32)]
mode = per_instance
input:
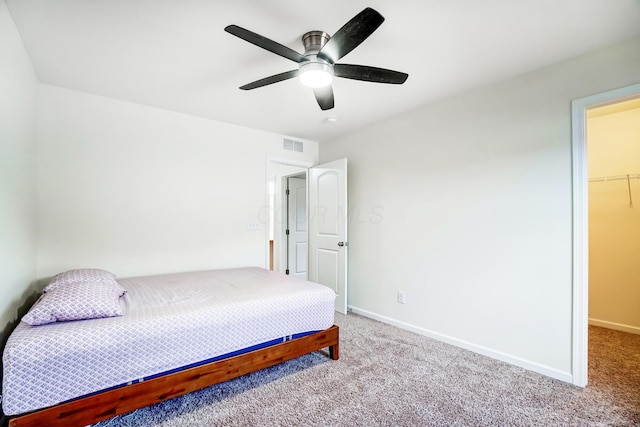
[(316, 74), (320, 61)]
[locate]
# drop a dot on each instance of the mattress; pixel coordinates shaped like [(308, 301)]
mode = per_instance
[(170, 321)]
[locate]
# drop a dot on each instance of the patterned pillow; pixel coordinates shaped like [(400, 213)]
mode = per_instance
[(75, 303), (84, 277)]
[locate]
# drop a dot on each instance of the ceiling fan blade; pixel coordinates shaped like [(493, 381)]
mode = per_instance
[(271, 80), (369, 74), (265, 43), (324, 96), (351, 35)]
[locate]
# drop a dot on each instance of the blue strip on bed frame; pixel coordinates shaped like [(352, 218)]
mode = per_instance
[(233, 353), (203, 362)]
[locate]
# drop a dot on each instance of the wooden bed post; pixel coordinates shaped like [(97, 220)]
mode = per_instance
[(334, 351)]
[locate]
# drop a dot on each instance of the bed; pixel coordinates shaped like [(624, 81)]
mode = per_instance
[(171, 334)]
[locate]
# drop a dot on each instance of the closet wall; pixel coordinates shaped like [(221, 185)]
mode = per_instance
[(613, 138)]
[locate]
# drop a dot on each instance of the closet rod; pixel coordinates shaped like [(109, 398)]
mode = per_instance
[(615, 177), (627, 178)]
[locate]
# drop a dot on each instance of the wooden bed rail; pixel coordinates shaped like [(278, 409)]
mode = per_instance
[(108, 404)]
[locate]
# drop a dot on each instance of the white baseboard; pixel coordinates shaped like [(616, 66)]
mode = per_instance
[(616, 326), (504, 357)]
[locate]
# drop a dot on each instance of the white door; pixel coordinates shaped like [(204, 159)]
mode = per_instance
[(328, 215), (297, 227)]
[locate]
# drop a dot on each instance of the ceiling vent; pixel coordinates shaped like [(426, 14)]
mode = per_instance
[(291, 145)]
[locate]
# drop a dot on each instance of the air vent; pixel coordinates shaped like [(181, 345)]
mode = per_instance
[(291, 145)]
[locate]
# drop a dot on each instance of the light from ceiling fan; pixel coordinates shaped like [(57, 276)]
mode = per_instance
[(316, 74)]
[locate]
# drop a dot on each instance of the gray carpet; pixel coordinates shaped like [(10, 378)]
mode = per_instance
[(389, 377)]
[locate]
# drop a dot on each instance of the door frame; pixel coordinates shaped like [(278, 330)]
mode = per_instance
[(580, 223), (304, 166)]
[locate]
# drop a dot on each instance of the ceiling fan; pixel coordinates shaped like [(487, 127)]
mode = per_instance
[(318, 64)]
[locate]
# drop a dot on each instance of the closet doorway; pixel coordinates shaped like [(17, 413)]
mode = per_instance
[(613, 155), (580, 219)]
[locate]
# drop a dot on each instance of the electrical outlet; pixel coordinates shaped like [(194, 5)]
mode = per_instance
[(253, 226), (401, 297)]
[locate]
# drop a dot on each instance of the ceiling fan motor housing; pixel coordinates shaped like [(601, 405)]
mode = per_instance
[(315, 72), (313, 41)]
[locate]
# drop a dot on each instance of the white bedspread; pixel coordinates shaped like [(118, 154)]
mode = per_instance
[(170, 321)]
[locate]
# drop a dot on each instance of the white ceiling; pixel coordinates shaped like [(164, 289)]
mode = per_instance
[(176, 55)]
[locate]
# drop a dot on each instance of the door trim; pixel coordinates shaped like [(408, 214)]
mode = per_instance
[(580, 223), (304, 166)]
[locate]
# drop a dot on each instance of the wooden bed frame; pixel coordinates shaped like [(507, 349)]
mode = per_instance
[(108, 404)]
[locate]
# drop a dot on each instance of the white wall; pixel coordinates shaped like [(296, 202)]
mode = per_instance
[(138, 190), (475, 197), (18, 116), (613, 142)]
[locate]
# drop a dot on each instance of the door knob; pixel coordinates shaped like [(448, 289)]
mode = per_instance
[(341, 244)]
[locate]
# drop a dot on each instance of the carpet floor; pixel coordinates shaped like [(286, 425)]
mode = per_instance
[(390, 377)]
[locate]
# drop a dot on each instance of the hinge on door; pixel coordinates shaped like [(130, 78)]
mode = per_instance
[(286, 232), (286, 271), (287, 192)]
